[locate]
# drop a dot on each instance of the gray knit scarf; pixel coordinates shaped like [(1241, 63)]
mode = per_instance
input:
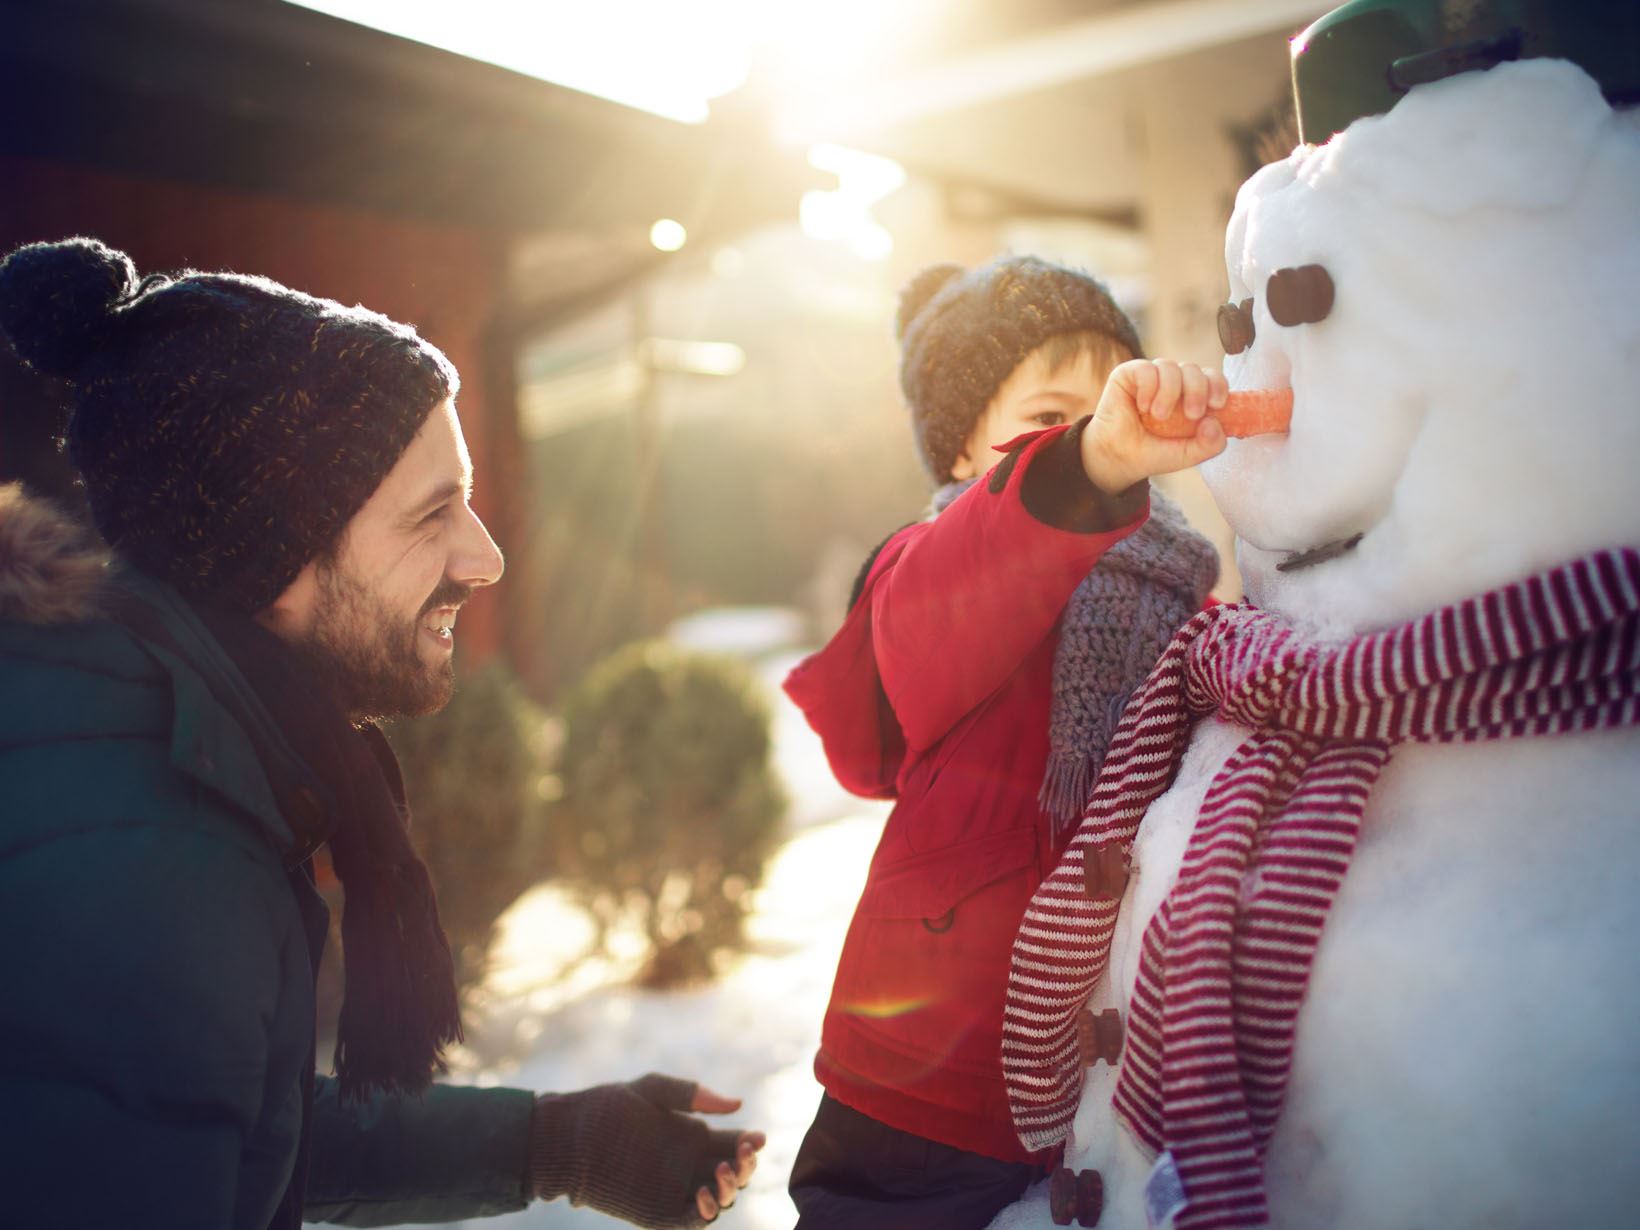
[(1115, 626)]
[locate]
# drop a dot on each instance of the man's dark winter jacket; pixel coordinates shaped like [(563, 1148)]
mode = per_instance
[(936, 693), (157, 1025)]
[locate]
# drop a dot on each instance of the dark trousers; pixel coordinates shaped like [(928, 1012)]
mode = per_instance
[(854, 1173)]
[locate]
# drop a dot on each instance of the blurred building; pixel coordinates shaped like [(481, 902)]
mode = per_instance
[(1111, 136), (258, 136), (662, 417)]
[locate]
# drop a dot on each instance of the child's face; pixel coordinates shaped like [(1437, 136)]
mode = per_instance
[(1033, 397)]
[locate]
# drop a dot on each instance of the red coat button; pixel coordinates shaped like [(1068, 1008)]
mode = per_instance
[(1090, 1197), (1105, 871), (1062, 1196), (1099, 1037), (1077, 1196)]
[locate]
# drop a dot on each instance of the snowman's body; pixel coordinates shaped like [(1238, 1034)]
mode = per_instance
[(1468, 1053)]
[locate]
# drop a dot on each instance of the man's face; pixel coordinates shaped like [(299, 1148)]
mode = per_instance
[(378, 616)]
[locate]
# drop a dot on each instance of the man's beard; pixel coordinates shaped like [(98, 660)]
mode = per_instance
[(368, 653)]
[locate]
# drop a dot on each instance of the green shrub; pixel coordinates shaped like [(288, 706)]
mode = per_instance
[(669, 807), (475, 775)]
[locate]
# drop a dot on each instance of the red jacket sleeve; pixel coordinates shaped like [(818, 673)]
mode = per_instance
[(968, 599), (841, 693), (951, 607)]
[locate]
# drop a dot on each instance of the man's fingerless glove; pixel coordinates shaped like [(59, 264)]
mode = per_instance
[(627, 1150)]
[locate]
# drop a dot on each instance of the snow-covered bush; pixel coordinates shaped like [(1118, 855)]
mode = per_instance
[(669, 807)]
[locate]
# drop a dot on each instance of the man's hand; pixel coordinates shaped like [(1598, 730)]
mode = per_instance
[(1117, 451), (729, 1178), (636, 1151)]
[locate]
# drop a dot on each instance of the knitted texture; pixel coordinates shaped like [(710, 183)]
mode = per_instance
[(399, 1010), (628, 1150), (1224, 968), (1116, 624), (226, 428), (962, 334)]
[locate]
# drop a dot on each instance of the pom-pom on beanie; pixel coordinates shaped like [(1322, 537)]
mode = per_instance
[(963, 332), (226, 427)]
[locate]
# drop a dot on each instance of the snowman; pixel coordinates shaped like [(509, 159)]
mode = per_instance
[(1350, 935)]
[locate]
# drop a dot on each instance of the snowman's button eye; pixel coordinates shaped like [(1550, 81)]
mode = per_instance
[(1299, 296), (1236, 326)]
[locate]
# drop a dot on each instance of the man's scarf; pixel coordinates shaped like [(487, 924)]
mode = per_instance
[(399, 1009), (1224, 965), (1117, 622)]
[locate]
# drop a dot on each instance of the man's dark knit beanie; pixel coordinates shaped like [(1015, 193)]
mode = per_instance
[(963, 332), (226, 428)]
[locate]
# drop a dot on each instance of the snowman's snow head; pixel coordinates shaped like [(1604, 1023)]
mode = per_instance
[(1468, 409)]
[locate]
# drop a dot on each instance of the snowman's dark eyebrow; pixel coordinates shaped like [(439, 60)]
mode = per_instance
[(1299, 295)]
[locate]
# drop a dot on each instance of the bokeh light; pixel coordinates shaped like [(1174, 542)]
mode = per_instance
[(668, 235)]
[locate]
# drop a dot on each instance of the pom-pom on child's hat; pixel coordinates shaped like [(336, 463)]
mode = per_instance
[(226, 427), (963, 332)]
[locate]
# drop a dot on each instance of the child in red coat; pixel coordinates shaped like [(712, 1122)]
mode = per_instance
[(978, 676)]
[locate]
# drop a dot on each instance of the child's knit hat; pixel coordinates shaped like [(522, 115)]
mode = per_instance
[(226, 428), (962, 334)]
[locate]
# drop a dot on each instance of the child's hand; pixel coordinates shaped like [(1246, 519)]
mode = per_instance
[(1117, 451)]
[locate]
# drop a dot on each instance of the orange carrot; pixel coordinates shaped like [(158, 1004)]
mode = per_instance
[(1249, 412)]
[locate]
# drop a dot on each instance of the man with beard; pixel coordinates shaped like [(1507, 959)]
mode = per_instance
[(282, 486)]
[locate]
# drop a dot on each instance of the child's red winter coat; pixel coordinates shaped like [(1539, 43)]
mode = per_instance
[(936, 692)]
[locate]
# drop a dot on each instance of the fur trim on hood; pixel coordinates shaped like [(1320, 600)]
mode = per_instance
[(52, 570)]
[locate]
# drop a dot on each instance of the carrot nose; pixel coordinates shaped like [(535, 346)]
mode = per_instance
[(1249, 412)]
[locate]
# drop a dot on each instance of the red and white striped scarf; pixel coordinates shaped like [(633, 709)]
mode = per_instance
[(1226, 959)]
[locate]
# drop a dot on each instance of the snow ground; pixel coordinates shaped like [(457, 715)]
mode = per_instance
[(547, 1020)]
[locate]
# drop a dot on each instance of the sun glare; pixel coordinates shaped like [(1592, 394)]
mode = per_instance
[(668, 59), (845, 214), (674, 59), (657, 55)]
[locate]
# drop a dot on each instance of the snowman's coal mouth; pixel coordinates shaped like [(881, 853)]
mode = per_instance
[(1319, 555)]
